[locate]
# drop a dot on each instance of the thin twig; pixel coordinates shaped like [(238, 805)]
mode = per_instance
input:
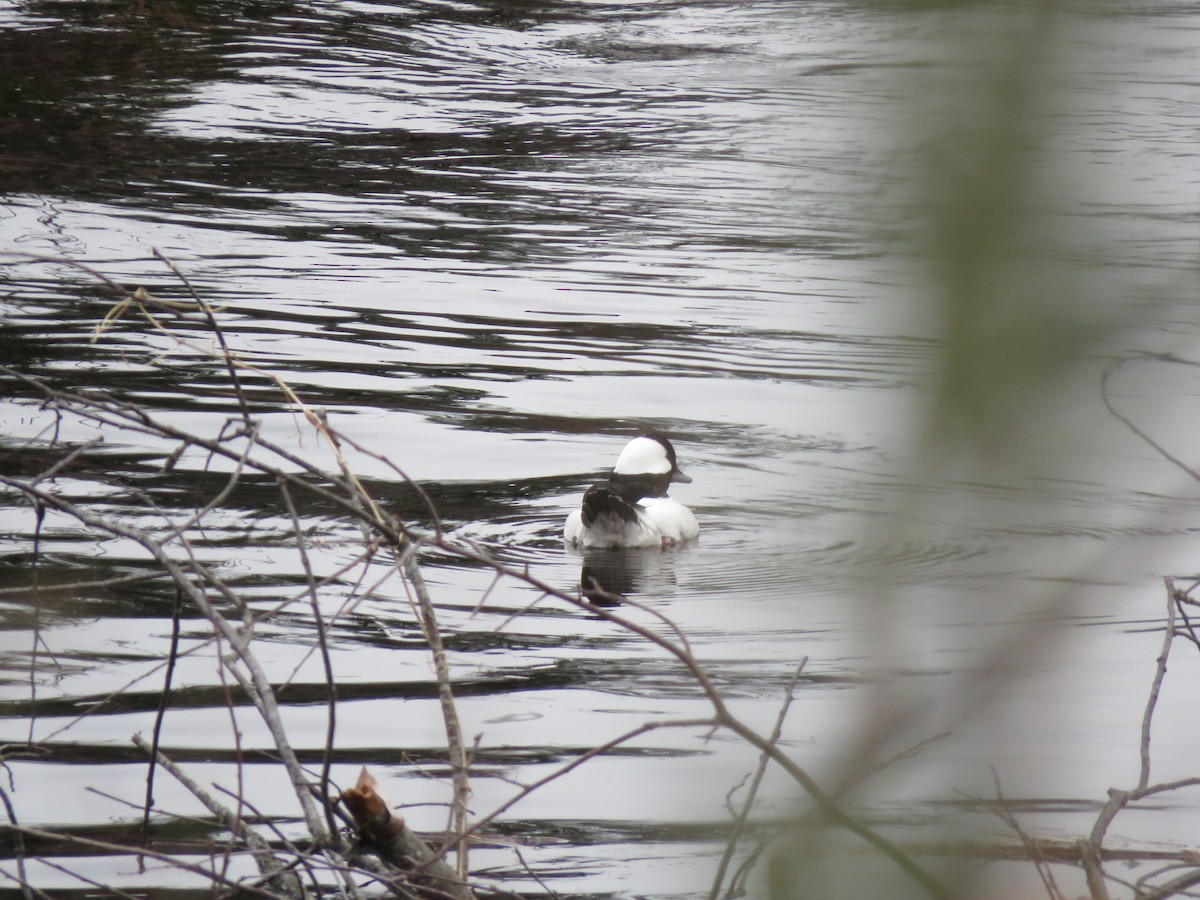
[(528, 789), (1031, 846), (257, 686), (164, 701), (104, 890), (39, 512), (323, 643), (226, 355), (250, 433), (66, 460), (122, 849), (18, 844), (75, 588), (1093, 845), (725, 719), (740, 822), (459, 768), (550, 892), (1160, 672), (1162, 451), (261, 850)]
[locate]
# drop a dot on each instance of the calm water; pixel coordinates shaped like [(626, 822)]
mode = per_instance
[(493, 240)]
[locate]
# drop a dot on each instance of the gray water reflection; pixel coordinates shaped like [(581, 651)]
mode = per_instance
[(493, 240)]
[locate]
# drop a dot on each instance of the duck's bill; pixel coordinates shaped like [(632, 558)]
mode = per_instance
[(679, 478)]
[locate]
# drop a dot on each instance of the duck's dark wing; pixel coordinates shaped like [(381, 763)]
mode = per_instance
[(604, 500)]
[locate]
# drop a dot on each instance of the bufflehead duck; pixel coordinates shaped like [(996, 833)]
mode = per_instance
[(632, 508)]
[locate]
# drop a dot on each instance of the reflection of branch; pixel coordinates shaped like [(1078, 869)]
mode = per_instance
[(74, 588)]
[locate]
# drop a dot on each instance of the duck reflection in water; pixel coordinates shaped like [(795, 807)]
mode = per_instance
[(607, 576), (630, 512)]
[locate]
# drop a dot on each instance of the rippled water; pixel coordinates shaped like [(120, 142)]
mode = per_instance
[(494, 240)]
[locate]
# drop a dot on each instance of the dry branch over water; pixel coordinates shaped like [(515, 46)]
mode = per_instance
[(328, 858)]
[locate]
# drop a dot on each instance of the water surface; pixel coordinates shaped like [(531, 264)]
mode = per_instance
[(494, 241)]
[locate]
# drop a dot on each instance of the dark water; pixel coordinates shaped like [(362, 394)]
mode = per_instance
[(494, 240)]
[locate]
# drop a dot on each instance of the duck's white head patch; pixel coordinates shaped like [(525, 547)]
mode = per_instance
[(643, 456)]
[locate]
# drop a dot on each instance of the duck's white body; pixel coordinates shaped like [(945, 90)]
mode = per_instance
[(661, 522), (632, 508)]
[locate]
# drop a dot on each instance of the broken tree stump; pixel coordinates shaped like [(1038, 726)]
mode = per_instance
[(385, 832)]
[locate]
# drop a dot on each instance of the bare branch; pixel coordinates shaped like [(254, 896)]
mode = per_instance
[(740, 822), (259, 848), (120, 849)]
